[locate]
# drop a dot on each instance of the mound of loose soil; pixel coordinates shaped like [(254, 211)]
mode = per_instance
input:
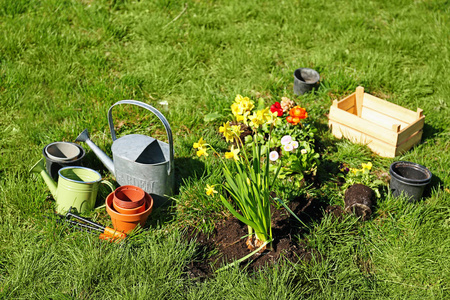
[(359, 199), (227, 241)]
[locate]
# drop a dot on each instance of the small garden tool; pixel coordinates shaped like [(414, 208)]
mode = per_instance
[(80, 223)]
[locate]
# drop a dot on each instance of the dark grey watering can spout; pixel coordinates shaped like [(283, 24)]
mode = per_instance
[(84, 137), (139, 160)]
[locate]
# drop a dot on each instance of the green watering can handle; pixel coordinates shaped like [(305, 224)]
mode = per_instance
[(157, 113), (111, 186)]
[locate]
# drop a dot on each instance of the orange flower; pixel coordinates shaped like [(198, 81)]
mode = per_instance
[(296, 114)]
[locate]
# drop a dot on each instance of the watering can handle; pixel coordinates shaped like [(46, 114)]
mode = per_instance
[(153, 110)]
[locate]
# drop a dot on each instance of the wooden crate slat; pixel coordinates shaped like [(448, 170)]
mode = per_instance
[(389, 109), (364, 126), (377, 146), (381, 119), (347, 103), (359, 95), (340, 130), (409, 131), (409, 143)]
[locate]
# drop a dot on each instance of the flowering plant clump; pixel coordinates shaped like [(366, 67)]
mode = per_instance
[(243, 111), (241, 108), (297, 158), (249, 187), (276, 108), (293, 140), (296, 114), (270, 124), (275, 147), (360, 175)]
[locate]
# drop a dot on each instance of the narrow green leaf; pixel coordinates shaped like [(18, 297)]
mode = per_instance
[(212, 116), (290, 211), (236, 214)]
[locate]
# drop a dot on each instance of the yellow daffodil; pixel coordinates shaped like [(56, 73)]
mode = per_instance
[(267, 115), (236, 129), (244, 117), (257, 119), (200, 144), (245, 102), (260, 117), (236, 109), (226, 130), (210, 190), (202, 152), (241, 108), (232, 154)]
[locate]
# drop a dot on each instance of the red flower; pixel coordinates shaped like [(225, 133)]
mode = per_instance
[(277, 108)]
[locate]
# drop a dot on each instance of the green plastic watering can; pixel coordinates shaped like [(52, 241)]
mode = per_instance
[(77, 187)]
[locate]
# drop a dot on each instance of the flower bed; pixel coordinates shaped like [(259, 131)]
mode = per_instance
[(279, 146)]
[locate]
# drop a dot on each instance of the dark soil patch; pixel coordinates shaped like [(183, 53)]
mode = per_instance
[(359, 199), (227, 241), (335, 210)]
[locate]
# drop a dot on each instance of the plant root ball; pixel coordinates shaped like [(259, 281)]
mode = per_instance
[(359, 199)]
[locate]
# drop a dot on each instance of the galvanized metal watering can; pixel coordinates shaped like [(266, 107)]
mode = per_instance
[(139, 160)]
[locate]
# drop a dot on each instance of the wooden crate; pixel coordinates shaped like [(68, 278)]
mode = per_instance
[(386, 128)]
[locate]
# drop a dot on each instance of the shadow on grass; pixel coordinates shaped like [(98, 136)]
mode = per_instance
[(185, 167), (436, 182), (429, 132)]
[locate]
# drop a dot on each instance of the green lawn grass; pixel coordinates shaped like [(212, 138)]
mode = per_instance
[(64, 63)]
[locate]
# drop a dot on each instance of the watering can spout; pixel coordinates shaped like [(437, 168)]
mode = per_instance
[(84, 137), (39, 168)]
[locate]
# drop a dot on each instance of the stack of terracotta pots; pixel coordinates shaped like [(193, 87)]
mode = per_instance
[(128, 206)]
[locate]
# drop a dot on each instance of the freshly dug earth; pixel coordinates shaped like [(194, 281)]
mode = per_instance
[(227, 242)]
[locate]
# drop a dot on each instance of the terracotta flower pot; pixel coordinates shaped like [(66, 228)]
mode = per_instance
[(128, 211), (127, 222), (128, 196)]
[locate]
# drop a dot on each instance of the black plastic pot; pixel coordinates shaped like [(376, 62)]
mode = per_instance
[(53, 166), (409, 179), (305, 80)]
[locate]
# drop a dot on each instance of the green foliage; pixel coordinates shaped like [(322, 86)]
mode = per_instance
[(247, 182), (299, 160), (361, 176), (249, 186)]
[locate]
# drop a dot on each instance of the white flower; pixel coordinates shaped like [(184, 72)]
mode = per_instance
[(286, 140), (304, 151), (288, 147), (294, 144), (273, 156)]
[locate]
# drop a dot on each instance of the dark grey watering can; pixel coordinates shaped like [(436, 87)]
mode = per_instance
[(139, 160)]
